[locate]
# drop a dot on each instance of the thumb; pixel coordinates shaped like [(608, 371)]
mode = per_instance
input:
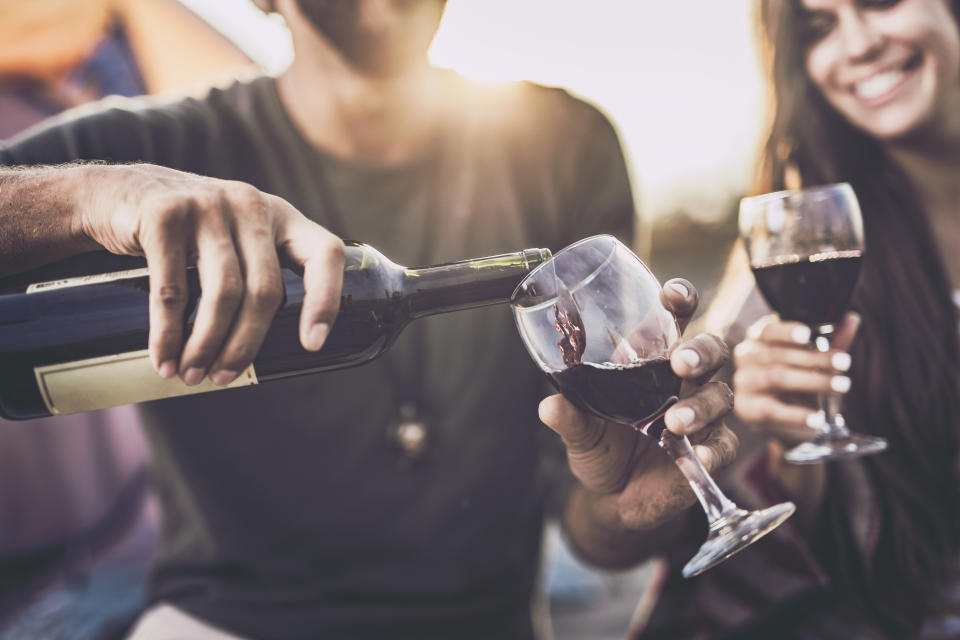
[(579, 431)]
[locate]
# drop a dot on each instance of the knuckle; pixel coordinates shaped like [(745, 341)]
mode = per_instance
[(259, 230), (163, 340), (724, 395), (750, 409), (248, 201), (743, 351), (729, 445), (335, 248), (239, 357), (767, 409), (169, 295), (203, 355), (172, 217), (244, 194), (206, 202), (775, 376), (265, 295), (230, 290), (718, 345), (741, 379)]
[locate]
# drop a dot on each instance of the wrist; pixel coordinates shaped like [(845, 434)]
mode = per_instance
[(77, 223)]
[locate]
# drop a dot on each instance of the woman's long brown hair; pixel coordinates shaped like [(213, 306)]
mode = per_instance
[(906, 357)]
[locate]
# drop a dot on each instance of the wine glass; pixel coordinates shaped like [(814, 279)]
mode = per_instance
[(592, 319), (805, 248)]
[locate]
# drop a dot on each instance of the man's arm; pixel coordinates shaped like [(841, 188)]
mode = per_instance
[(600, 537), (37, 225), (235, 234)]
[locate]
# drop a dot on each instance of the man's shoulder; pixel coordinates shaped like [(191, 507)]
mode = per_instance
[(128, 129)]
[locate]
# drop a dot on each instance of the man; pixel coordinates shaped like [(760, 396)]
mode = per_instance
[(294, 510)]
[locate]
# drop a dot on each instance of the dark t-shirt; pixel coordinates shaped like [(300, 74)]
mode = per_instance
[(289, 510)]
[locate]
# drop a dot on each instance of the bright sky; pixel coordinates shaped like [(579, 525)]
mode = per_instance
[(678, 78)]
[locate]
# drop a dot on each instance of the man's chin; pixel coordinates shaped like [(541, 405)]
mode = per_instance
[(378, 64)]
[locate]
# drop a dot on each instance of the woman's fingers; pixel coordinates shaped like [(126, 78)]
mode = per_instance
[(771, 329), (783, 378), (767, 414), (752, 353)]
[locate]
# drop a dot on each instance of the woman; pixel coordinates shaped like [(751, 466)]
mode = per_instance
[(865, 92)]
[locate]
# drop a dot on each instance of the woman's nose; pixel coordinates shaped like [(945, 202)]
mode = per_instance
[(861, 38)]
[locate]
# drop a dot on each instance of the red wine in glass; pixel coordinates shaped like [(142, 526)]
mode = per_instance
[(633, 394), (815, 290)]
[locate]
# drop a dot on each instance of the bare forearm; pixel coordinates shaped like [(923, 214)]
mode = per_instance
[(40, 216), (599, 537)]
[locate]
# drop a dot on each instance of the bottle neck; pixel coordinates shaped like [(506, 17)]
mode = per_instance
[(468, 284)]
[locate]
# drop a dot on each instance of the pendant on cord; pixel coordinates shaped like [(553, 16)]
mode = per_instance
[(409, 433)]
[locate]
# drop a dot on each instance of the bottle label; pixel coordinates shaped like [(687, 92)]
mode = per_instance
[(110, 381), (91, 279)]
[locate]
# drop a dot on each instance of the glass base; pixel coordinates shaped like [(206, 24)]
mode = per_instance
[(735, 533), (823, 449)]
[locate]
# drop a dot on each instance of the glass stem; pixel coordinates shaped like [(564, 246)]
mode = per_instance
[(833, 427), (717, 506)]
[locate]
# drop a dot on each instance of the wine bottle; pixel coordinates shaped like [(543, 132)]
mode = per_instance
[(80, 344)]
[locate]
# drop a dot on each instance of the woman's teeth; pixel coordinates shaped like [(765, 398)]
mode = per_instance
[(878, 84)]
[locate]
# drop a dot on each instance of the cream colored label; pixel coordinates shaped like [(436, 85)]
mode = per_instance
[(82, 280), (110, 381)]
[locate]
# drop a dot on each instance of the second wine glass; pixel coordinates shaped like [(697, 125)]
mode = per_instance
[(805, 248), (592, 319)]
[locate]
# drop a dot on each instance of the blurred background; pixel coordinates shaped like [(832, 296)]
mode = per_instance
[(679, 80)]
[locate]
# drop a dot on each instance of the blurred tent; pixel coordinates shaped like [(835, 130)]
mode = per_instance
[(76, 521), (56, 54)]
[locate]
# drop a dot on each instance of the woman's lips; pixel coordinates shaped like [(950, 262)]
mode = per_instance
[(878, 87)]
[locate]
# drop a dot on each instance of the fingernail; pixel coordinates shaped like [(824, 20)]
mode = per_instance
[(680, 417), (167, 369), (816, 420), (841, 361), (317, 336), (840, 384), (689, 356), (679, 288), (193, 375), (801, 335), (223, 378)]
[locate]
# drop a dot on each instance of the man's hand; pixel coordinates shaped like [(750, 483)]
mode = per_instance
[(237, 236), (632, 484)]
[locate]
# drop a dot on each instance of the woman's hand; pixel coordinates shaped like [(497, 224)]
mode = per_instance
[(777, 375)]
